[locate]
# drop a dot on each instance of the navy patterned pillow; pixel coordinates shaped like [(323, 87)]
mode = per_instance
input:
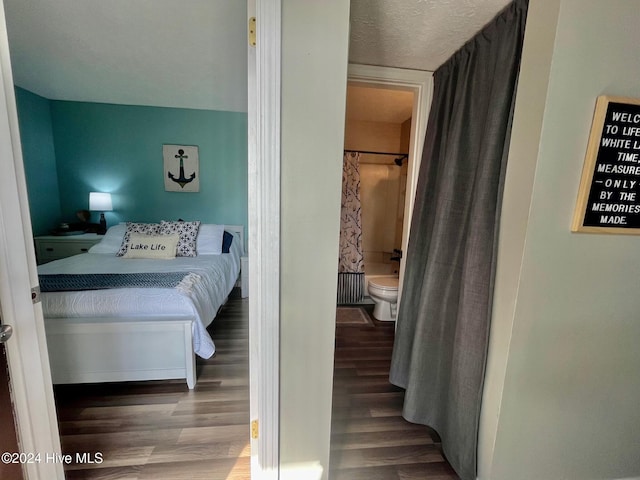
[(188, 232), (141, 228)]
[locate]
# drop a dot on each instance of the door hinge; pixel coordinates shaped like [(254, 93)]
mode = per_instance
[(254, 429), (252, 31)]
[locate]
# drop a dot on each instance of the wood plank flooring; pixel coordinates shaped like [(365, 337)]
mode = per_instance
[(161, 430), (369, 438)]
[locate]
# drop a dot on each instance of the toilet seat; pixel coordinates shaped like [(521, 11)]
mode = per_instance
[(384, 283)]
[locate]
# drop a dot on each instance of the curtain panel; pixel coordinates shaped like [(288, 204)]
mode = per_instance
[(351, 257), (442, 332)]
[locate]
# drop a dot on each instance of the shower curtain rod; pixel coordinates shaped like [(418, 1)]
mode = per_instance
[(379, 153)]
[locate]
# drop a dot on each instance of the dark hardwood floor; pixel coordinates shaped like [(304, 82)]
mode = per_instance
[(369, 438), (161, 430)]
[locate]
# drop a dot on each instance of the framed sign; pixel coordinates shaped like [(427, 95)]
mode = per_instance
[(181, 168), (609, 194)]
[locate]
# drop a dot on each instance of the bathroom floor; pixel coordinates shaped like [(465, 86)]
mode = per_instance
[(369, 438)]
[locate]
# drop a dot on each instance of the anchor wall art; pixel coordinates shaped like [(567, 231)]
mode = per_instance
[(181, 168)]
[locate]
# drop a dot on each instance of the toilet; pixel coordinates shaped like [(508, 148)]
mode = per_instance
[(384, 292)]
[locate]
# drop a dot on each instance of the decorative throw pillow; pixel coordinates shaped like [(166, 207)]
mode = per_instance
[(142, 228), (152, 246), (188, 232), (227, 239)]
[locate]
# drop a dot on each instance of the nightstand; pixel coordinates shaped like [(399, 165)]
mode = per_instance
[(244, 277), (54, 247)]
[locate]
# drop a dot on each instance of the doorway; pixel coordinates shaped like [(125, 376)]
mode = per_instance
[(416, 87), (377, 133), (420, 85), (11, 261)]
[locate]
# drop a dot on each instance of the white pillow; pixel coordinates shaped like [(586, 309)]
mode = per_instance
[(209, 240), (152, 246), (111, 241)]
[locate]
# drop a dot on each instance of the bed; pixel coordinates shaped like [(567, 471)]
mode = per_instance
[(144, 331)]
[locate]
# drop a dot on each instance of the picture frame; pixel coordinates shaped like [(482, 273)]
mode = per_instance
[(609, 193), (181, 168)]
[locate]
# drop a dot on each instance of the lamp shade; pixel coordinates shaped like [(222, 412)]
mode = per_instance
[(100, 202)]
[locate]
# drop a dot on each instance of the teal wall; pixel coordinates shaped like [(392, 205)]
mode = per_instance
[(118, 149), (34, 116)]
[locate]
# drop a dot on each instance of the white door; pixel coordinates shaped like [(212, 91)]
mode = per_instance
[(27, 350), (9, 466)]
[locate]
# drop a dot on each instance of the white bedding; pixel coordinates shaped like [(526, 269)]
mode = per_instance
[(202, 300)]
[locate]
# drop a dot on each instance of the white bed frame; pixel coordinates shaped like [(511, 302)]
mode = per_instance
[(104, 349)]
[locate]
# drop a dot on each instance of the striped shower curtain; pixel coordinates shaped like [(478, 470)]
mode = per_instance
[(351, 259)]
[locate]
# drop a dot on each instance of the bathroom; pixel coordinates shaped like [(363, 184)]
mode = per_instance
[(378, 127)]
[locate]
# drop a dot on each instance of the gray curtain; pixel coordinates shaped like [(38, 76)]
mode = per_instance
[(351, 257), (442, 332)]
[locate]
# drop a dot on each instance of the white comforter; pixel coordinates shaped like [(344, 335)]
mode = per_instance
[(201, 299)]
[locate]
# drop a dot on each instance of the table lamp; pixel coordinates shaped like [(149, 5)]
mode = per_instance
[(100, 202)]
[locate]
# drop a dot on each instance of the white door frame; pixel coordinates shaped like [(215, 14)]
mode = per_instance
[(421, 84), (264, 236), (27, 355)]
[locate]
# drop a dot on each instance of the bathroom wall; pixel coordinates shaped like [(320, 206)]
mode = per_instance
[(382, 185), (372, 136), (379, 191)]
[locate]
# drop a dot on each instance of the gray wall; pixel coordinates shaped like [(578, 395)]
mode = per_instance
[(314, 79), (563, 380)]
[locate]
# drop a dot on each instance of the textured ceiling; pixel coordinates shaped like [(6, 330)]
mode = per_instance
[(192, 53), (415, 34)]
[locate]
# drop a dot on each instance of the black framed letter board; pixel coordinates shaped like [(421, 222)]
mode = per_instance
[(609, 194)]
